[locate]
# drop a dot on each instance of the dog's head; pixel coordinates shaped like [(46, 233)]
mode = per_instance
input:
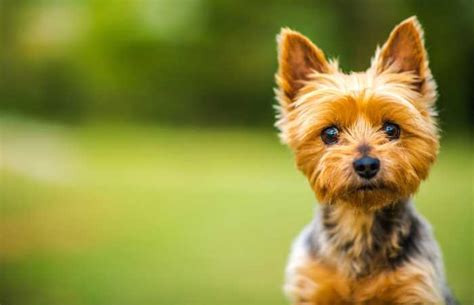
[(366, 138)]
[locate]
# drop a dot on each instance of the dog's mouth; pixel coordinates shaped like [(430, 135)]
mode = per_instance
[(371, 187)]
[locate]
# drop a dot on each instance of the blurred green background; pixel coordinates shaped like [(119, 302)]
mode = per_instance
[(138, 160)]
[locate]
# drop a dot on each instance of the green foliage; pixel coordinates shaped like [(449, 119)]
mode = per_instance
[(203, 61)]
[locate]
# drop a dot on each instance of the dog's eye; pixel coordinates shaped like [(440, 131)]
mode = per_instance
[(330, 135), (392, 130)]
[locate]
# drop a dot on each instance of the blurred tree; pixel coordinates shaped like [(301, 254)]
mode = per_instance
[(204, 61)]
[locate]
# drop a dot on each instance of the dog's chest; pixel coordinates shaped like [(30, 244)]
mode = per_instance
[(406, 285)]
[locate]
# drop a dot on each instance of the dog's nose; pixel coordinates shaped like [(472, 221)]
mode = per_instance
[(366, 167)]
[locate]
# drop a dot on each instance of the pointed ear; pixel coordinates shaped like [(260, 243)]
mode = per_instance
[(298, 57), (404, 51)]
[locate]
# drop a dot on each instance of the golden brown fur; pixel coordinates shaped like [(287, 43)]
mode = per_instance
[(411, 284), (359, 103), (367, 246)]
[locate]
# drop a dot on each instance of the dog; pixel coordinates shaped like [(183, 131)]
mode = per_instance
[(365, 141)]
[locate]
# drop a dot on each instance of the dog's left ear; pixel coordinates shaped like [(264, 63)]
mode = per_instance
[(405, 51), (298, 58)]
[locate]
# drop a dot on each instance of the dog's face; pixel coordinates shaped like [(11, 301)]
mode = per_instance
[(365, 139)]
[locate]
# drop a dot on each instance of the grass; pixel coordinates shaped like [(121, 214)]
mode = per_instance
[(146, 215)]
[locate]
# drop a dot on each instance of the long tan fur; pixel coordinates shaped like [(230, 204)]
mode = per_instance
[(365, 246)]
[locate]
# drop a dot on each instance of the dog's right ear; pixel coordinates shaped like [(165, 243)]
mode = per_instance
[(298, 57), (405, 51)]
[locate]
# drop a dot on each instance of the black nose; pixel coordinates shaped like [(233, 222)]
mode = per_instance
[(366, 167)]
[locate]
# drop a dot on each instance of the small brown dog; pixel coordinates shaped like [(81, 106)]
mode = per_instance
[(365, 141)]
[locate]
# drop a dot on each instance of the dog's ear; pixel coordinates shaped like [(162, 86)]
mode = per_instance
[(404, 51), (298, 57)]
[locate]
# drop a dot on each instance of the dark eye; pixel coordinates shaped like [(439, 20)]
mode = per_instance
[(392, 130), (330, 135)]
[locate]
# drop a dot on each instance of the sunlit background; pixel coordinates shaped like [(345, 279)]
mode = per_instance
[(139, 163)]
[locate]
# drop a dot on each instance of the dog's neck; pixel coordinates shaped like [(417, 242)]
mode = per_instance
[(368, 241)]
